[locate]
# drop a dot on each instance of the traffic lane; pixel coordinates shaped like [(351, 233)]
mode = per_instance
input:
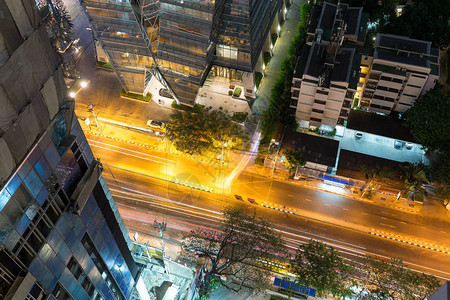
[(352, 242), (342, 208), (156, 163)]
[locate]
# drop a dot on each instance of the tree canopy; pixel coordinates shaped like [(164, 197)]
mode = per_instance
[(391, 279), (241, 250), (429, 121), (294, 158), (424, 20), (205, 130), (321, 267)]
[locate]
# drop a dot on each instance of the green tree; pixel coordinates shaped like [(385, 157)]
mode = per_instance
[(425, 20), (294, 159), (241, 249), (391, 279), (321, 267), (415, 176), (205, 130), (429, 121)]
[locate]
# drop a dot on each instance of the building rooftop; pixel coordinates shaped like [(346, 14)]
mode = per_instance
[(352, 17), (314, 148), (322, 62), (378, 124), (405, 50)]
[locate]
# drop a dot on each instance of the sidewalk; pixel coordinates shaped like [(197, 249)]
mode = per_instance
[(287, 33)]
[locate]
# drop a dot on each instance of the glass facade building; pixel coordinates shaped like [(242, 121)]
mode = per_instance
[(184, 39), (61, 236)]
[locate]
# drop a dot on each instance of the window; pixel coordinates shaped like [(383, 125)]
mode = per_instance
[(81, 276), (295, 94), (316, 120), (414, 86), (317, 111), (60, 293), (101, 266), (397, 80), (320, 102), (322, 92)]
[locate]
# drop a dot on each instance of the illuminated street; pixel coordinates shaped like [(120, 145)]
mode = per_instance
[(135, 173)]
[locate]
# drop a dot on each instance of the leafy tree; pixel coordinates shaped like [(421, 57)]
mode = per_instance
[(425, 20), (415, 176), (321, 267), (429, 121), (294, 159), (376, 173), (391, 279), (60, 27), (205, 130), (377, 12), (240, 250)]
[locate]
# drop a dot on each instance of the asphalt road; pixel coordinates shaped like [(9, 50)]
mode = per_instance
[(133, 175)]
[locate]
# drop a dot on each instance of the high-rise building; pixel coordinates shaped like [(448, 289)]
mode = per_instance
[(401, 70), (327, 72), (176, 45), (61, 236)]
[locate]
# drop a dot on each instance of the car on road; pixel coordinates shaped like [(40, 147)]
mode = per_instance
[(398, 144), (156, 124), (359, 135), (409, 146)]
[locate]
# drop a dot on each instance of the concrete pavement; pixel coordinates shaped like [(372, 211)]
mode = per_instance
[(288, 30)]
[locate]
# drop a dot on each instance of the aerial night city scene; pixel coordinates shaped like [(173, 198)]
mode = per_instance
[(224, 149)]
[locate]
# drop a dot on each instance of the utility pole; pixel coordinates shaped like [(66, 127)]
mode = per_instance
[(161, 227), (91, 109)]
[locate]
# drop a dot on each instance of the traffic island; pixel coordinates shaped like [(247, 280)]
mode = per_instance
[(134, 96)]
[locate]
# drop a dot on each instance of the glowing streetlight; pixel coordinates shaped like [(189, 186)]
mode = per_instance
[(84, 84), (72, 94)]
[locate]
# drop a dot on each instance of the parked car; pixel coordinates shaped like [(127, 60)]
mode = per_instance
[(409, 146), (398, 144), (156, 124), (359, 135)]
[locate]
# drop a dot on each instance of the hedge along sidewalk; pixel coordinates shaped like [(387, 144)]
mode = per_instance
[(280, 94), (133, 96)]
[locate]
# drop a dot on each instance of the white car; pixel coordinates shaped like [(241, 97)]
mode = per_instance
[(359, 135), (409, 146), (156, 124)]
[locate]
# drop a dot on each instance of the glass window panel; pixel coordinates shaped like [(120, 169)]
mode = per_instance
[(34, 156), (12, 239), (5, 228), (23, 224), (40, 198), (13, 184), (43, 169), (4, 198), (34, 184), (24, 169), (12, 212), (22, 196), (52, 156), (32, 210)]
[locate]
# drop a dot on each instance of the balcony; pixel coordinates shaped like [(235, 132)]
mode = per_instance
[(371, 85)]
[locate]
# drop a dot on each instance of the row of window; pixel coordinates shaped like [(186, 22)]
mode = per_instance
[(101, 266), (391, 79), (379, 106), (83, 279), (389, 99)]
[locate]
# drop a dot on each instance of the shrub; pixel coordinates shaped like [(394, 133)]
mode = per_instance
[(145, 98), (237, 92), (274, 38), (258, 78), (230, 93), (267, 57), (239, 117), (196, 108)]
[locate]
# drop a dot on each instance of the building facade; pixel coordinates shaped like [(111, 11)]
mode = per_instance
[(61, 236), (176, 45), (327, 72), (401, 70)]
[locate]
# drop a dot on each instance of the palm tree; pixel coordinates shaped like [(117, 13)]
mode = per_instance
[(415, 176)]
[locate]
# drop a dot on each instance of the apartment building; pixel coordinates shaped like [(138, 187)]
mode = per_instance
[(176, 45), (326, 75), (61, 236), (400, 71)]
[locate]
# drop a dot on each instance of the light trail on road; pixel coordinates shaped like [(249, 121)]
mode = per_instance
[(130, 152), (294, 237)]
